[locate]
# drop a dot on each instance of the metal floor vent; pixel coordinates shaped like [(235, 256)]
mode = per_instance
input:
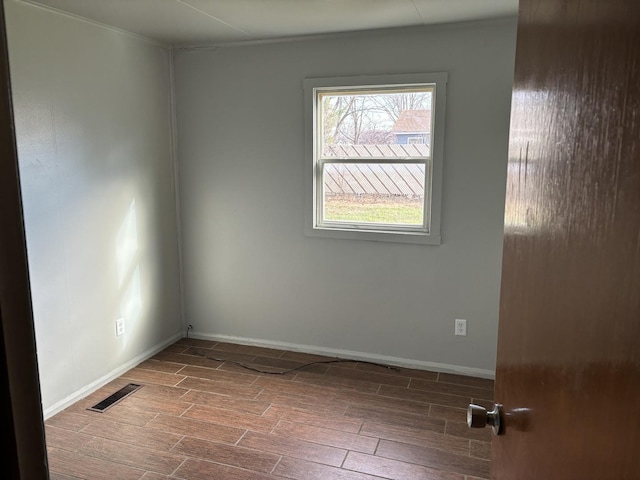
[(114, 398)]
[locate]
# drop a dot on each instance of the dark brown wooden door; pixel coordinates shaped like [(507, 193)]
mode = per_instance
[(22, 433), (568, 370)]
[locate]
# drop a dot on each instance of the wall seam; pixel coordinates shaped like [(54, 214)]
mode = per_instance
[(176, 183)]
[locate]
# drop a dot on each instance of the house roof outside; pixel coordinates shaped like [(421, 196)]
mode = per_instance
[(413, 121)]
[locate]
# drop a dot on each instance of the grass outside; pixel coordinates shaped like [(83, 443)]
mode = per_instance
[(373, 209)]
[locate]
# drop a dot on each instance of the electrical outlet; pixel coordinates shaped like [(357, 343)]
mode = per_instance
[(119, 327), (461, 327)]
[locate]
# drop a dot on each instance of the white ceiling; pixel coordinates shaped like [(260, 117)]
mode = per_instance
[(209, 22)]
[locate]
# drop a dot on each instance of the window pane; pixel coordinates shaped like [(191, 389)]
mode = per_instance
[(377, 123), (389, 194)]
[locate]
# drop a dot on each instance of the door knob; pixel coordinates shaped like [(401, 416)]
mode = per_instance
[(479, 417)]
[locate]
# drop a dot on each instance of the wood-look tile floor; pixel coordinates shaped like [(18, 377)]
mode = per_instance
[(203, 419)]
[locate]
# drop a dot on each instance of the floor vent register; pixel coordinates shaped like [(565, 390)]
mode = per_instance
[(114, 398)]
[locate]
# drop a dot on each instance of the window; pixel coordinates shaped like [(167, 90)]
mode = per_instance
[(374, 157)]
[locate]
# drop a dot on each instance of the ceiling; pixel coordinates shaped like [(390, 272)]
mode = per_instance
[(211, 22)]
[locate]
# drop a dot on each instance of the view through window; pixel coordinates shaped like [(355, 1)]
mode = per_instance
[(374, 151)]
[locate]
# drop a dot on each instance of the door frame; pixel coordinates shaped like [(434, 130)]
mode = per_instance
[(23, 424)]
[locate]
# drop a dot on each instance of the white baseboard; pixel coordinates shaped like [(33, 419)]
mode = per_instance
[(349, 355), (93, 386)]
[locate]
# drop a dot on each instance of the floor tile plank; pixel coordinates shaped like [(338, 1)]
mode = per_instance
[(249, 350), (219, 416), (65, 439), (303, 470), (222, 388), (416, 436), (132, 455), (394, 469), (69, 421), (394, 417), (400, 371), (194, 469), (82, 466), (218, 375), (197, 428), (182, 359), (433, 458), (294, 448), (343, 383), (480, 449), (368, 376), (239, 405), (139, 375), (368, 400), (425, 396), (462, 430), (450, 414), (307, 417), (249, 459), (450, 388), (132, 434), (325, 436), (465, 380)]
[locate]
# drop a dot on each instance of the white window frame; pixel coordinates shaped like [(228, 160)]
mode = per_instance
[(429, 234)]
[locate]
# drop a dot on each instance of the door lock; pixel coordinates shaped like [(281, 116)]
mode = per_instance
[(479, 417)]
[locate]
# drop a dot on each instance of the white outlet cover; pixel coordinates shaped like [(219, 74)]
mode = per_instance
[(119, 327), (461, 327)]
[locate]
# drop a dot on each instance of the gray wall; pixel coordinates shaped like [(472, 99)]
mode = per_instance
[(92, 112), (251, 274)]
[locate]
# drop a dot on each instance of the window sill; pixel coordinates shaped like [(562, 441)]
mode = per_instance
[(374, 235)]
